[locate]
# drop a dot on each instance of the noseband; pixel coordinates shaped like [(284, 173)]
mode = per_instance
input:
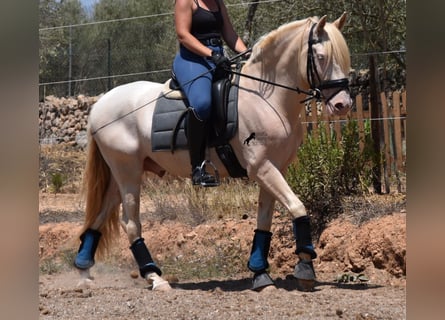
[(313, 76)]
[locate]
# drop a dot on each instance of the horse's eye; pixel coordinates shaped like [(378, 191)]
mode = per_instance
[(320, 57)]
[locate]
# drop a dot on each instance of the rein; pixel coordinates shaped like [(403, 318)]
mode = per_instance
[(315, 91), (313, 94)]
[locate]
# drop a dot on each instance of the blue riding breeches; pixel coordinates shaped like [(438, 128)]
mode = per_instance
[(194, 74)]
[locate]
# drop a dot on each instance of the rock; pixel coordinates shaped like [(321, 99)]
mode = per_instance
[(134, 274), (82, 139)]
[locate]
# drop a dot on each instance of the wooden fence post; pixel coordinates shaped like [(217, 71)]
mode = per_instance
[(304, 122), (375, 126), (387, 144), (397, 138), (360, 119)]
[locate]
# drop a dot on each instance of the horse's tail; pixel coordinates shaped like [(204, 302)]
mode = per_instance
[(97, 180)]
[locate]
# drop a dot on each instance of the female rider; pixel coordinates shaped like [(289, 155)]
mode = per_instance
[(201, 25)]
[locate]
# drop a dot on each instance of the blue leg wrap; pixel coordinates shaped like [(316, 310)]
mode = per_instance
[(143, 258), (85, 256), (260, 251), (303, 237)]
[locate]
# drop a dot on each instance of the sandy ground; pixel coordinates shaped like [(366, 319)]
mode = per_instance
[(376, 249)]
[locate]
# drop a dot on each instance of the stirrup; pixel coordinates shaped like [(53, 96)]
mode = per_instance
[(206, 180)]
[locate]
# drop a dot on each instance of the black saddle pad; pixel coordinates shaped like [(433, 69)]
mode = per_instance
[(168, 115), (168, 133)]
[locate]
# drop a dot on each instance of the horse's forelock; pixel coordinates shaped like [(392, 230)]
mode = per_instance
[(339, 49)]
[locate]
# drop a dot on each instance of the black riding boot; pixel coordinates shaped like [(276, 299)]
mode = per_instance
[(196, 139)]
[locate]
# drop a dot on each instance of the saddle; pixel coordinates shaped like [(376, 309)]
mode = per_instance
[(168, 125)]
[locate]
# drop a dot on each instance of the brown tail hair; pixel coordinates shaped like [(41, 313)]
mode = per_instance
[(96, 180)]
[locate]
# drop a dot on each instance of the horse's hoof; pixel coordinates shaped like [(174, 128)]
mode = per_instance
[(157, 283), (85, 283), (261, 281), (305, 285), (164, 286), (304, 270), (267, 289), (85, 273), (305, 275)]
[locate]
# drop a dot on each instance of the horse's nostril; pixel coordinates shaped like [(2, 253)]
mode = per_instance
[(339, 106)]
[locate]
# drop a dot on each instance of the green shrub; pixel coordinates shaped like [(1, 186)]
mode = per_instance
[(327, 170), (57, 181)]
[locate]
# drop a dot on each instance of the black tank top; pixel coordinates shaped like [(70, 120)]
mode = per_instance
[(207, 24)]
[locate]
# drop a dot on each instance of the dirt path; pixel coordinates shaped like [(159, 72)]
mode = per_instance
[(375, 248), (118, 296)]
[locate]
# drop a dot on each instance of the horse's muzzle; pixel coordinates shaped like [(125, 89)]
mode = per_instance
[(339, 104)]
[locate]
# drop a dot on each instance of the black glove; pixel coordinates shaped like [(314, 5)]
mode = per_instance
[(220, 60)]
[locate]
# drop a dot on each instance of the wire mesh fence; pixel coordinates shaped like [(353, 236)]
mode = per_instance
[(93, 58)]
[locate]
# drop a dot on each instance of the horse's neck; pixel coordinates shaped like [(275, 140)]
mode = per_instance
[(278, 64)]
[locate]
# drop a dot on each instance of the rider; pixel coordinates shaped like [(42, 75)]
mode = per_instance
[(200, 27)]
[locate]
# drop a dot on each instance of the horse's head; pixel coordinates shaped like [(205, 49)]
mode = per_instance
[(328, 64)]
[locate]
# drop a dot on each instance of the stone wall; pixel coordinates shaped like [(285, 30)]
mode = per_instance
[(64, 120)]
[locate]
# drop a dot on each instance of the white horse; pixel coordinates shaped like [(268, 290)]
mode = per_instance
[(303, 57)]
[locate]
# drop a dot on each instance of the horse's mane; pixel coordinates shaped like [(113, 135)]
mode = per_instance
[(337, 49), (275, 35)]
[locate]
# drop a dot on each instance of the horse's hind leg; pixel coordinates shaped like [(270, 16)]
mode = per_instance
[(130, 185), (91, 236)]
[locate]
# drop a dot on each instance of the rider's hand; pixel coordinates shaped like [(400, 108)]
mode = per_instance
[(220, 60)]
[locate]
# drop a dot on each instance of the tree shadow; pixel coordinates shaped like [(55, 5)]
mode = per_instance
[(289, 283)]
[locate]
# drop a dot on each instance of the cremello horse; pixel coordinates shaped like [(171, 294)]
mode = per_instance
[(301, 57)]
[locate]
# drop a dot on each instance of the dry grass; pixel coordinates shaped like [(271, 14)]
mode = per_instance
[(176, 199), (170, 198), (359, 210), (61, 168)]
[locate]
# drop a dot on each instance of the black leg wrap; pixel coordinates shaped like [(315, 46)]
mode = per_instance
[(303, 237), (143, 258), (260, 251), (85, 255)]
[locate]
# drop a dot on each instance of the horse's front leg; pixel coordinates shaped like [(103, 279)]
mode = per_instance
[(258, 263), (132, 226), (273, 181)]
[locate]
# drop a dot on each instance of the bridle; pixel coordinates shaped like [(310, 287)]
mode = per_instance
[(313, 76), (316, 84)]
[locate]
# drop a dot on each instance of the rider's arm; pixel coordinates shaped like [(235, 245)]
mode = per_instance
[(229, 34), (183, 24)]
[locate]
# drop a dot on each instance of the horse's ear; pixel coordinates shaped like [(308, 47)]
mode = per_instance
[(340, 22), (320, 25)]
